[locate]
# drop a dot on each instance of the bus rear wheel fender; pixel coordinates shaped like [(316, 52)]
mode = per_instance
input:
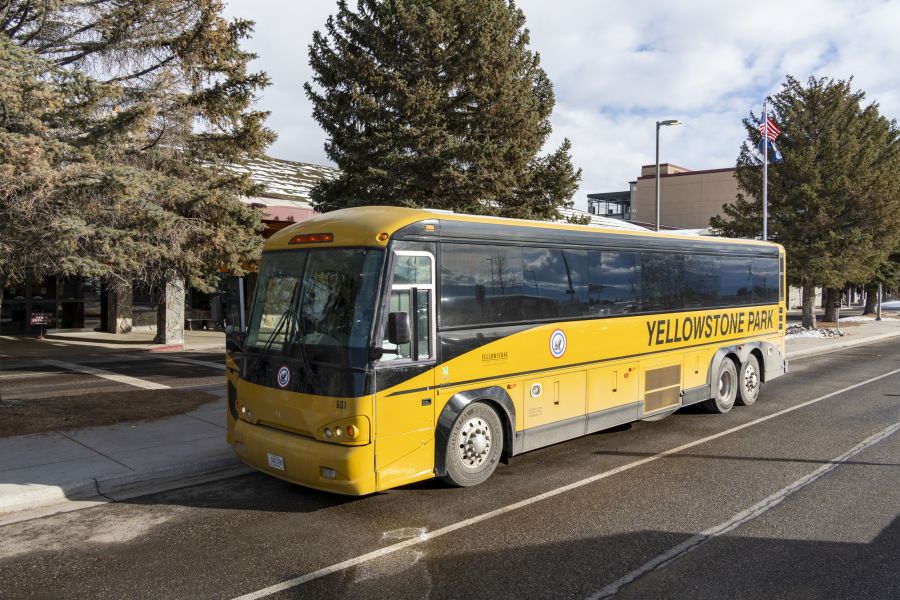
[(724, 387), (760, 358), (474, 445)]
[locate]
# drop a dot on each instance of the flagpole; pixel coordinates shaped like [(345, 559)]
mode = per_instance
[(765, 194)]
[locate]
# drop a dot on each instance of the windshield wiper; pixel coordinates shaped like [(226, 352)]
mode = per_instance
[(289, 346), (278, 327), (298, 347)]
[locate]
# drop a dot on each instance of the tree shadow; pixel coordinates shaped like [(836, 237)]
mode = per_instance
[(769, 568)]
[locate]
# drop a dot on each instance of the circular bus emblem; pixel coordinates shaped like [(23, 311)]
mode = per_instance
[(557, 343), (284, 377)]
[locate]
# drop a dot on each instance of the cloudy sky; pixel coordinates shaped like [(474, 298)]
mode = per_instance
[(619, 66)]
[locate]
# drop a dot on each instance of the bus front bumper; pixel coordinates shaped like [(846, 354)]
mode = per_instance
[(305, 461)]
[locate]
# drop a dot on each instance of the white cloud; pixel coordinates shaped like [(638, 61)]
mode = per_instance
[(617, 67)]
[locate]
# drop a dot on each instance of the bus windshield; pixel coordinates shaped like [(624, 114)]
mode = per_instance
[(318, 302)]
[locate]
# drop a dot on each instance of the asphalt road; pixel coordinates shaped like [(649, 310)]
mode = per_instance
[(37, 378), (795, 497)]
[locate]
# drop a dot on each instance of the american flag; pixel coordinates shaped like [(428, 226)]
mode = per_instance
[(769, 129)]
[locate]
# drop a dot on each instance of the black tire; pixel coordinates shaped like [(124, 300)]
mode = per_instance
[(749, 382), (724, 389), (474, 446)]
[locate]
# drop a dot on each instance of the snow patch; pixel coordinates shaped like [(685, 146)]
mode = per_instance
[(598, 221), (798, 331), (284, 178)]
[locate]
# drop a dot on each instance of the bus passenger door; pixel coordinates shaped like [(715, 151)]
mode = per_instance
[(404, 401)]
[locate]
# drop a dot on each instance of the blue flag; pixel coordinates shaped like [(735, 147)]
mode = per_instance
[(774, 154)]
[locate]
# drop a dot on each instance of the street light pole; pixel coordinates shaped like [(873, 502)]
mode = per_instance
[(659, 124)]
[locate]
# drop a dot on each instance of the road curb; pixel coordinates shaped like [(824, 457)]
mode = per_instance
[(36, 495), (165, 348), (121, 487), (842, 345)]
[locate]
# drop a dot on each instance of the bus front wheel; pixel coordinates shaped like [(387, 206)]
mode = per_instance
[(749, 382), (474, 446), (724, 387)]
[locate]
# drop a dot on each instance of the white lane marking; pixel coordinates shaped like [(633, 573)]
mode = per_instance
[(352, 562), (194, 361), (688, 546), (126, 379)]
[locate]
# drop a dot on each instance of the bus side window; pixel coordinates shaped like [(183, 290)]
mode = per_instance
[(412, 292)]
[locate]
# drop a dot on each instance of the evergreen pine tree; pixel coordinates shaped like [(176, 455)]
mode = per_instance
[(888, 276), (834, 202), (124, 172), (436, 103)]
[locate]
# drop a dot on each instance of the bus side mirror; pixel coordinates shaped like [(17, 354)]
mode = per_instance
[(234, 340), (235, 318), (398, 328)]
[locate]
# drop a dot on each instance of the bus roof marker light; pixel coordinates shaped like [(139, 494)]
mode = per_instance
[(383, 237), (312, 238)]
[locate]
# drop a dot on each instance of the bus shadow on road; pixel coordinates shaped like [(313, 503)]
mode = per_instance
[(251, 492)]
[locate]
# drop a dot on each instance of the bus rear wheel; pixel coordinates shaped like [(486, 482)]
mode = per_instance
[(474, 446), (724, 387), (749, 382)]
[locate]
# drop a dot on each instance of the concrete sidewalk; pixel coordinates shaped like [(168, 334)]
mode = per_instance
[(70, 469), (46, 473)]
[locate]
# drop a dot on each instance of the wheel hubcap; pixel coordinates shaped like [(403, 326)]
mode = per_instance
[(474, 442), (725, 385), (751, 380)]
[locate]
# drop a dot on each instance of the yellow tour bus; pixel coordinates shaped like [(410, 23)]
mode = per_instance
[(389, 345)]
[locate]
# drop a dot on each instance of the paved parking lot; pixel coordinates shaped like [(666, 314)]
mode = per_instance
[(797, 496)]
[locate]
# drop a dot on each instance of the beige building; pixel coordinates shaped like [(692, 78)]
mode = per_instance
[(687, 198)]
